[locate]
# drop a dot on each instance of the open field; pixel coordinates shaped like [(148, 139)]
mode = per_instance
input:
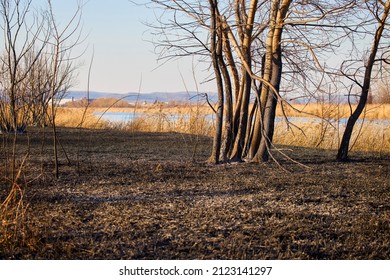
[(138, 195)]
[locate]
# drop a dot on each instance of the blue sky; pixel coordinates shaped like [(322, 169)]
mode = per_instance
[(123, 58)]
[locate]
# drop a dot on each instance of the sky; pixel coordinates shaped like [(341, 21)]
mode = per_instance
[(124, 59)]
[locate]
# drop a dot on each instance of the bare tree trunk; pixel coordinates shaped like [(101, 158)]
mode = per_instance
[(256, 136), (228, 109), (232, 84), (216, 49), (270, 112), (53, 109), (239, 144), (264, 130), (59, 61)]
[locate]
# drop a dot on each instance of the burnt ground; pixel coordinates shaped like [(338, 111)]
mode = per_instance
[(125, 195)]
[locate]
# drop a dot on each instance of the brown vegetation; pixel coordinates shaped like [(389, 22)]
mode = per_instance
[(322, 127), (334, 111), (130, 195), (311, 110)]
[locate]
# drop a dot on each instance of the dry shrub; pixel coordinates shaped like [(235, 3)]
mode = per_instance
[(193, 123), (382, 95), (377, 112), (24, 117), (12, 212)]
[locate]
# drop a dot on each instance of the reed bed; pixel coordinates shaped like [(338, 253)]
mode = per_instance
[(78, 117), (367, 136), (334, 111), (189, 120), (321, 127), (186, 123)]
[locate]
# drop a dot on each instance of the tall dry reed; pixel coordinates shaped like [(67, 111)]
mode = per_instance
[(78, 117), (367, 136), (335, 111), (190, 123)]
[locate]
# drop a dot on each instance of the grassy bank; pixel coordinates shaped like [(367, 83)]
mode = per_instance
[(137, 195)]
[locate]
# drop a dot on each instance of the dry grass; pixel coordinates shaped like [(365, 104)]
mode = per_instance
[(367, 136), (12, 217), (129, 195), (335, 111), (78, 117), (324, 132), (190, 119), (167, 122), (125, 194), (326, 111), (163, 108)]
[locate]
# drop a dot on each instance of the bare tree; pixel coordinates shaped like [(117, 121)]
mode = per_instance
[(24, 42), (61, 42), (379, 12), (258, 50)]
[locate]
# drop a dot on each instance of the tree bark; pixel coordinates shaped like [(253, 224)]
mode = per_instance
[(238, 148), (216, 49), (264, 129)]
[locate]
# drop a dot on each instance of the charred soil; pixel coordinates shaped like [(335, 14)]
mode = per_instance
[(130, 195)]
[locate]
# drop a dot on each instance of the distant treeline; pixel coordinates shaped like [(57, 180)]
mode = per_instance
[(120, 103), (99, 103)]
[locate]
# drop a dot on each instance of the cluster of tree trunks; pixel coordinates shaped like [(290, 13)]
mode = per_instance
[(249, 43), (244, 129)]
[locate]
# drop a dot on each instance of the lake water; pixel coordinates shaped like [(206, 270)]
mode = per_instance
[(124, 117), (118, 117)]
